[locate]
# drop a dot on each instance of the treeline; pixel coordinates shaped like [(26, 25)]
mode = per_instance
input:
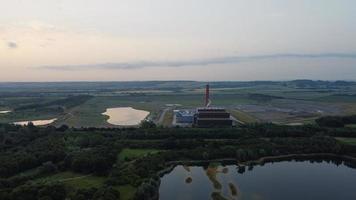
[(263, 97), (57, 191), (250, 130), (311, 84), (336, 121)]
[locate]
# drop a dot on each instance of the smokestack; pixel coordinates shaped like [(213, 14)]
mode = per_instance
[(207, 95)]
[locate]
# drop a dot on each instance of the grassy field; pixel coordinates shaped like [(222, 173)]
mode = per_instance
[(127, 192), (350, 141), (74, 180), (168, 119), (351, 125), (243, 117), (135, 153), (154, 97), (80, 181)]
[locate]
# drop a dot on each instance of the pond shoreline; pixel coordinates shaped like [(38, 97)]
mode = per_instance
[(125, 116), (325, 158), (267, 159), (43, 122)]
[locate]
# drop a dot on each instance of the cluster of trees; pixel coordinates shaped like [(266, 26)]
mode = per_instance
[(148, 189), (21, 151), (310, 84), (263, 97), (58, 191), (336, 121), (28, 153), (35, 192), (97, 160), (148, 132)]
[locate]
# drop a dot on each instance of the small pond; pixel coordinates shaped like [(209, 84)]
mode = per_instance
[(36, 122), (292, 180), (125, 116)]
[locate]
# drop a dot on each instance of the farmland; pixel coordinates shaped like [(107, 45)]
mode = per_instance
[(82, 104)]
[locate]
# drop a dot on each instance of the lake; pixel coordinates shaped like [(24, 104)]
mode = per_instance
[(292, 180), (36, 122), (125, 116)]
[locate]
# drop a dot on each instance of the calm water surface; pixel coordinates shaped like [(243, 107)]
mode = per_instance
[(37, 122), (290, 180), (125, 116)]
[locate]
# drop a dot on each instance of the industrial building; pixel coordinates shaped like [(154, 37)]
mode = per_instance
[(206, 116), (212, 117), (184, 116)]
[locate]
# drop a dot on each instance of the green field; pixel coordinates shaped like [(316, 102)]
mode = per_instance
[(74, 180), (351, 125), (350, 141), (127, 192), (82, 104), (168, 119), (80, 181), (243, 117)]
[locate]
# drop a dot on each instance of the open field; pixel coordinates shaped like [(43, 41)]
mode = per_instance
[(74, 180), (82, 104), (79, 181), (168, 119), (243, 117), (350, 141)]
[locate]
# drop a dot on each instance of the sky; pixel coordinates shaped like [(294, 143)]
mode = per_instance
[(206, 40)]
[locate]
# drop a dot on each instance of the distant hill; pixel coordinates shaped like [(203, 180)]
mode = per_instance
[(84, 87)]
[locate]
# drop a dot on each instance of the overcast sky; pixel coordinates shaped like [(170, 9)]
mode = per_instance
[(89, 40)]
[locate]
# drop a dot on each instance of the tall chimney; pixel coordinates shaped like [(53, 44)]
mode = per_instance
[(207, 95)]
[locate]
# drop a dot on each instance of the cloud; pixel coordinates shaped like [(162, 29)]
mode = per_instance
[(12, 45), (197, 62)]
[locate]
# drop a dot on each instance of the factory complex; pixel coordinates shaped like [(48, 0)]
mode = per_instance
[(204, 117)]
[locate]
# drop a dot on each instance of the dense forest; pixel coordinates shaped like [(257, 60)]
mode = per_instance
[(29, 154)]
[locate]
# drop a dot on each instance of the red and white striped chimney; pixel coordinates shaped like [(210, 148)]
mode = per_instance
[(207, 95)]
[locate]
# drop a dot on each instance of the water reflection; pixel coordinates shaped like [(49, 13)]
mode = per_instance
[(125, 116), (189, 180), (36, 122), (312, 179)]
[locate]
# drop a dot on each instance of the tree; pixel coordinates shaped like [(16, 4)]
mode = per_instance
[(147, 124), (54, 191), (106, 193), (48, 168), (330, 121)]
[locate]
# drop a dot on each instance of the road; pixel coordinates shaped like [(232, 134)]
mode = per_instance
[(161, 117)]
